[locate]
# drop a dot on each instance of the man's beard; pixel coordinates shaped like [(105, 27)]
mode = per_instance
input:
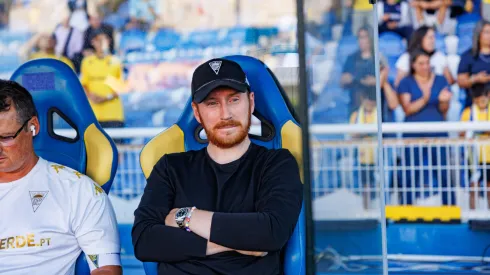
[(228, 141)]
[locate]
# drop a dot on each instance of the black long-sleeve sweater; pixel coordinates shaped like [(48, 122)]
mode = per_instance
[(256, 200)]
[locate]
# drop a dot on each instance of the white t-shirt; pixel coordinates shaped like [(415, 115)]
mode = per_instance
[(49, 216), (438, 62)]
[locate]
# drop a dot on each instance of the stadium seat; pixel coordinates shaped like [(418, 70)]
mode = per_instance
[(272, 104), (166, 39), (57, 90), (347, 46), (451, 42), (440, 43), (391, 46), (466, 24), (132, 40)]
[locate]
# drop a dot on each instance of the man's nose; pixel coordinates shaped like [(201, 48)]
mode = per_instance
[(225, 112)]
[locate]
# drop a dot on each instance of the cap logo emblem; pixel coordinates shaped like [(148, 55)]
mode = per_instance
[(215, 66)]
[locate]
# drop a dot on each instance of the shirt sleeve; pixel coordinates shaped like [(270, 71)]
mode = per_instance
[(443, 83), (465, 64), (465, 116), (84, 79), (349, 64), (404, 86), (94, 223), (353, 118), (278, 204), (403, 63), (152, 239)]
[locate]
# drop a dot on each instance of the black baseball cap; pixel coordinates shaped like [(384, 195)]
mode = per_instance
[(217, 73)]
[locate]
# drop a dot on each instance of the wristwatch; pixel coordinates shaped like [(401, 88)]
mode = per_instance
[(181, 215)]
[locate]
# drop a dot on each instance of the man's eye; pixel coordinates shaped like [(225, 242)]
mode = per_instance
[(6, 138)]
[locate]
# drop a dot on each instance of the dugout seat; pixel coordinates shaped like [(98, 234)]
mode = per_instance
[(279, 130), (58, 93)]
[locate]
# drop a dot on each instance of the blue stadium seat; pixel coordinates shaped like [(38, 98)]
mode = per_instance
[(464, 43), (391, 46), (267, 31), (466, 24), (202, 38), (273, 105), (138, 118), (56, 89), (440, 43), (8, 63), (240, 36), (332, 106), (347, 46), (132, 40), (115, 20), (166, 39)]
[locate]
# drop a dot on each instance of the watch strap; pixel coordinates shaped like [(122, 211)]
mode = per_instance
[(188, 219)]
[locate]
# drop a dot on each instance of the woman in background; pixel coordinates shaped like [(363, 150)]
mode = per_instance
[(424, 96)]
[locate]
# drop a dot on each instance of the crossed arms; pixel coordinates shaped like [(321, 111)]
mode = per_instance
[(267, 229)]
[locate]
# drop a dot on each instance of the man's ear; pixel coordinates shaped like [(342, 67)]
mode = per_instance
[(251, 96), (35, 122), (196, 112)]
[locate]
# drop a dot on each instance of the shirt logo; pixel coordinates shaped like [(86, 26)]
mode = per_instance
[(215, 66), (98, 189), (37, 198), (95, 260)]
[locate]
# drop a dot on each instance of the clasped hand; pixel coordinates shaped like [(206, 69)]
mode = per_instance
[(212, 248)]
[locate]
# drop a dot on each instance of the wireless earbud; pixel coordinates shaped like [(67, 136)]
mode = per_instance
[(33, 130)]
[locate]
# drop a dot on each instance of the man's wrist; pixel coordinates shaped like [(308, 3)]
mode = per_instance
[(187, 222), (183, 217)]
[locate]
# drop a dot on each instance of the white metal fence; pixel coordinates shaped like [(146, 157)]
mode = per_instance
[(426, 171)]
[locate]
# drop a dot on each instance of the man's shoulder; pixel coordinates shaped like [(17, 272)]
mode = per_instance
[(70, 179), (181, 158), (272, 154)]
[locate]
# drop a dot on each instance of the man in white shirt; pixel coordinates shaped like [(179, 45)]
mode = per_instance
[(49, 213)]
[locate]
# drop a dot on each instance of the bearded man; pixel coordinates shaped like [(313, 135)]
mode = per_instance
[(229, 208)]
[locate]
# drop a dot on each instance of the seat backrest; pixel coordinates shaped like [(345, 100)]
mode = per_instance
[(84, 146), (279, 130)]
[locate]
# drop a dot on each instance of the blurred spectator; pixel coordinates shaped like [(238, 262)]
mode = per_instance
[(431, 12), (366, 114), (100, 75), (45, 44), (79, 14), (361, 12), (389, 97), (425, 97), (459, 7), (97, 25), (69, 40), (143, 12), (104, 7), (4, 13), (358, 72), (474, 66), (478, 111), (424, 39), (393, 15), (485, 10)]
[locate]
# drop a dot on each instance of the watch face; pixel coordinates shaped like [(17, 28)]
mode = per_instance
[(181, 214)]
